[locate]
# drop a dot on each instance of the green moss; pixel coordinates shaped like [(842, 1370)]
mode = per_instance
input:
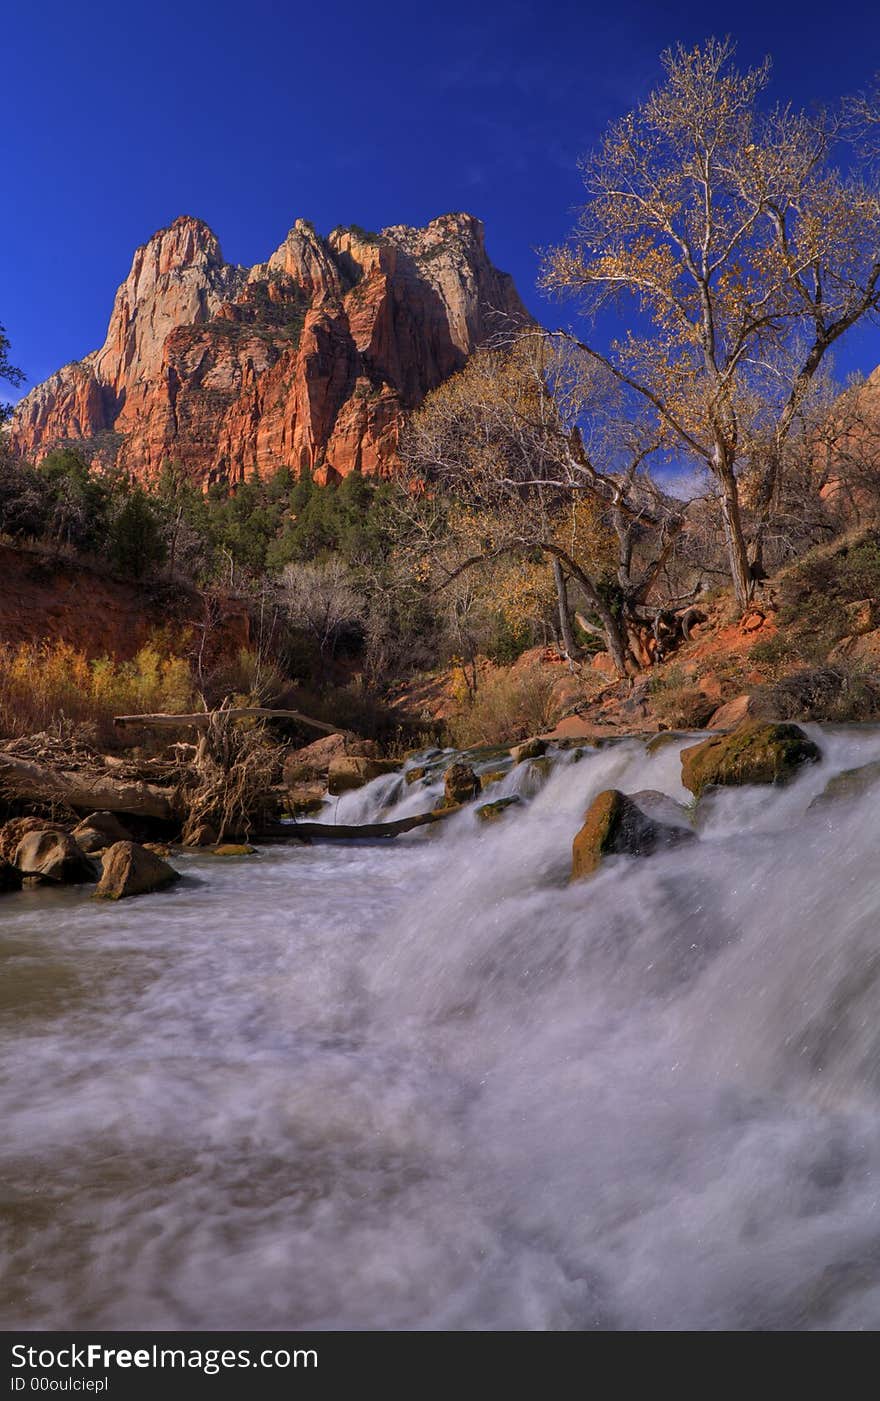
[(755, 753), (490, 812)]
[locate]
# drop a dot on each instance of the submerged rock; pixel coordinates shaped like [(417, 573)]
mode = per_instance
[(490, 812), (460, 785), (616, 826), (493, 776), (754, 753), (53, 856), (130, 869), (848, 784), (232, 849), (423, 773)]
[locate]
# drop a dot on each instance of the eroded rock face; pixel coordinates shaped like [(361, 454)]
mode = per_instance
[(305, 361), (753, 753), (130, 869)]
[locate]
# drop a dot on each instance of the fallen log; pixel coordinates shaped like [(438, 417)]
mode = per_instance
[(202, 719), (83, 792), (299, 831)]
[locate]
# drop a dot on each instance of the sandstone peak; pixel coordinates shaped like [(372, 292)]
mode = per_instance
[(308, 360)]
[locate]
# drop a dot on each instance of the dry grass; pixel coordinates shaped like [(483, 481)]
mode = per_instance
[(44, 686), (507, 707)]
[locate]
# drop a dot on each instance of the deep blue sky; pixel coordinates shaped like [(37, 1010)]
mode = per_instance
[(117, 118)]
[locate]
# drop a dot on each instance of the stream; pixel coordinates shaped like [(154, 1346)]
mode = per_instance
[(428, 1084)]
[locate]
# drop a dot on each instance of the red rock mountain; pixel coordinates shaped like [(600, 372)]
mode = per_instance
[(307, 360)]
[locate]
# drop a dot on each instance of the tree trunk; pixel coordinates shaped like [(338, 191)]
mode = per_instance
[(572, 650), (305, 831), (84, 792), (614, 634), (202, 719), (737, 553)]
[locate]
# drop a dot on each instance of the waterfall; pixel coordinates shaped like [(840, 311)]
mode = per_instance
[(429, 1083)]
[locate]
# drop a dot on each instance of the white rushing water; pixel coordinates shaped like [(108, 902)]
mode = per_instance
[(429, 1084)]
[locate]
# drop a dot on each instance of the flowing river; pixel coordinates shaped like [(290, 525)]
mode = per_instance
[(429, 1084)]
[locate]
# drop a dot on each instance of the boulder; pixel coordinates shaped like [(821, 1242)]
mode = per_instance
[(313, 760), (53, 856), (306, 797), (91, 842), (754, 753), (232, 849), (10, 878), (103, 825), (490, 812), (529, 749), (130, 869), (732, 713), (12, 832), (352, 771), (616, 826), (460, 785)]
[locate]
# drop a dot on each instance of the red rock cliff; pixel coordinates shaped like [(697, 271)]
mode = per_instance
[(307, 360)]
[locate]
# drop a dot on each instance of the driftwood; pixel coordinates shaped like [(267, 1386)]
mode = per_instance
[(202, 719), (83, 791), (300, 831)]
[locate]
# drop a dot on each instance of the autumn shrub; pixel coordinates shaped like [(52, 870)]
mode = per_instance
[(678, 700), (507, 707), (41, 685), (251, 677), (832, 693)]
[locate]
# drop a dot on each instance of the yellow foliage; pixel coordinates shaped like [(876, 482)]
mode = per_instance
[(43, 684)]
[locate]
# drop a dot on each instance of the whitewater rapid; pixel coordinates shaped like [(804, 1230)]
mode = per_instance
[(430, 1084)]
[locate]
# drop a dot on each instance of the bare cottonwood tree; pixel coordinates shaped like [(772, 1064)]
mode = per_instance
[(503, 441), (749, 255), (323, 599)]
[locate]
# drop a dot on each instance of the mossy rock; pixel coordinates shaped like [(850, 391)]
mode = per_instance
[(849, 784), (616, 826), (460, 785), (490, 812), (529, 749), (754, 753), (664, 739), (232, 849), (417, 774)]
